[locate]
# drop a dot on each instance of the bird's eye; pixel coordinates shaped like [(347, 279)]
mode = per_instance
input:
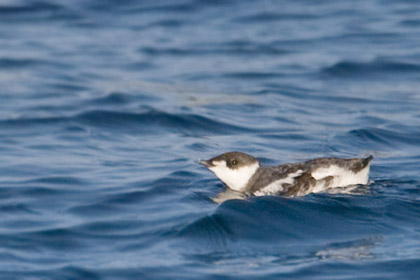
[(234, 162)]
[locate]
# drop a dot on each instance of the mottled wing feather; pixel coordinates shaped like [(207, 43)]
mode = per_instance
[(302, 185), (266, 175)]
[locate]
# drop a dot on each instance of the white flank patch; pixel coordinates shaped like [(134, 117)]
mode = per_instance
[(277, 186), (236, 179), (342, 177)]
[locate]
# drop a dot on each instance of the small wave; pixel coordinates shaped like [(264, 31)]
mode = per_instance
[(167, 23), (71, 87), (235, 48), (410, 22), (167, 8), (188, 124), (35, 7), (71, 272), (371, 134), (7, 63), (375, 137), (157, 191), (147, 122), (134, 7), (17, 208), (58, 180), (274, 17), (120, 98), (377, 67), (286, 221), (37, 11), (213, 229), (252, 48), (113, 98), (139, 66), (52, 238), (253, 75), (30, 122), (17, 63)]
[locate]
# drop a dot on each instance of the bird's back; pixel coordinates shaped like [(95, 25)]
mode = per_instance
[(295, 179)]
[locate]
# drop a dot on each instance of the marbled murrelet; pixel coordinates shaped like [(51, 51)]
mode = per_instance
[(243, 173)]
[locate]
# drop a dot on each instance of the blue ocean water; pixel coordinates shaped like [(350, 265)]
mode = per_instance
[(105, 106)]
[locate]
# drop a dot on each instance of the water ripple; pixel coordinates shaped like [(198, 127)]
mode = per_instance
[(349, 69), (151, 122)]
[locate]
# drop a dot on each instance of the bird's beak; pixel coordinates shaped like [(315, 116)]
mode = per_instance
[(206, 163)]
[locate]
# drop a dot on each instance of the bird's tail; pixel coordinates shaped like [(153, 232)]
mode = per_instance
[(366, 161)]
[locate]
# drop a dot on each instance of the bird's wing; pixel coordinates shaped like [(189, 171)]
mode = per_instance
[(316, 175), (278, 179)]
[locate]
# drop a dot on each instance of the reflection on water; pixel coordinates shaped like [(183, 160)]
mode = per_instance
[(350, 250), (228, 194)]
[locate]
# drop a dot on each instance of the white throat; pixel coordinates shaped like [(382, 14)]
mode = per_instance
[(236, 179)]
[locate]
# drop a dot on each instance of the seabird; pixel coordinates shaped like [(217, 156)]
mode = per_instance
[(243, 173)]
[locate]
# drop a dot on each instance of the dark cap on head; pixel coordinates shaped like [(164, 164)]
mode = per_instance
[(233, 160)]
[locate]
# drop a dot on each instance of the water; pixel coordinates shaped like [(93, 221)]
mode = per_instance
[(105, 106)]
